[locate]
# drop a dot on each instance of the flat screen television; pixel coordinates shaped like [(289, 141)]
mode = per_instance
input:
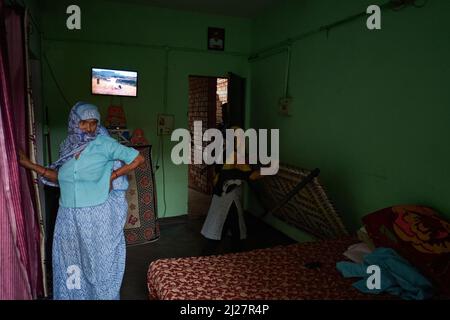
[(114, 82)]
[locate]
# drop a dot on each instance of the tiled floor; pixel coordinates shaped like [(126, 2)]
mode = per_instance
[(198, 203), (180, 237)]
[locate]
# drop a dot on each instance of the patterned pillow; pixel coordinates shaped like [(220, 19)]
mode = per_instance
[(418, 234)]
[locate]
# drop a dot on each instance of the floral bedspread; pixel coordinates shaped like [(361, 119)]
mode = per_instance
[(298, 271)]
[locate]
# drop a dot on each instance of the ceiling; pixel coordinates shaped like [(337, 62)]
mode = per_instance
[(237, 8)]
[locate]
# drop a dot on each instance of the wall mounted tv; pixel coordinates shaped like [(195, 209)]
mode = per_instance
[(114, 82)]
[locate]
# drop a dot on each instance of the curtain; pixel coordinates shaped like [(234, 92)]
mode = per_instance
[(20, 268), (32, 148)]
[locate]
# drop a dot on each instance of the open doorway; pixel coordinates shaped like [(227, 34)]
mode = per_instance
[(206, 97)]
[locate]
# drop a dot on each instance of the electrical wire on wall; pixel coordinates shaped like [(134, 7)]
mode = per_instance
[(157, 166), (395, 5), (163, 177), (287, 71), (287, 45), (161, 136), (61, 92), (398, 5), (52, 74)]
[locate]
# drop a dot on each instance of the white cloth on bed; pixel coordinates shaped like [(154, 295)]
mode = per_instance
[(218, 211), (357, 252)]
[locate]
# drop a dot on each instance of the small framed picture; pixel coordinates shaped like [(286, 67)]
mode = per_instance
[(216, 39)]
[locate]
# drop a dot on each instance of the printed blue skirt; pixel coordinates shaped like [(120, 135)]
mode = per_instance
[(89, 251)]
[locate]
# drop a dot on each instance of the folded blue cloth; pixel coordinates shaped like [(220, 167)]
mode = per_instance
[(397, 276)]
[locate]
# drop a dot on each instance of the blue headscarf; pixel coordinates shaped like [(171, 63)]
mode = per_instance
[(77, 140)]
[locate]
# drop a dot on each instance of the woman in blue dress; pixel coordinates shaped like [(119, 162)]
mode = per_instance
[(89, 244)]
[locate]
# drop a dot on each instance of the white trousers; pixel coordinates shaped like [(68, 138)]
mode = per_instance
[(217, 214)]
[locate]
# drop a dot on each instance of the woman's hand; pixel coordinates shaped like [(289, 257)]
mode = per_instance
[(113, 177), (47, 173), (126, 168), (24, 161)]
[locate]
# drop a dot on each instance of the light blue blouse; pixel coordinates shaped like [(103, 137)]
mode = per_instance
[(85, 182)]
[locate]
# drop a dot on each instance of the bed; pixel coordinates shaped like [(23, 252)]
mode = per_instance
[(297, 271), (292, 272)]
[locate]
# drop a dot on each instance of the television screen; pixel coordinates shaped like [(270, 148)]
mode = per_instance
[(114, 82)]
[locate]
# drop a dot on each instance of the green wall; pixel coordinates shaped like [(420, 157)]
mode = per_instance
[(371, 109), (137, 37)]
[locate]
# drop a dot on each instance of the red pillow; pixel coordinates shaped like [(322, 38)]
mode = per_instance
[(419, 235)]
